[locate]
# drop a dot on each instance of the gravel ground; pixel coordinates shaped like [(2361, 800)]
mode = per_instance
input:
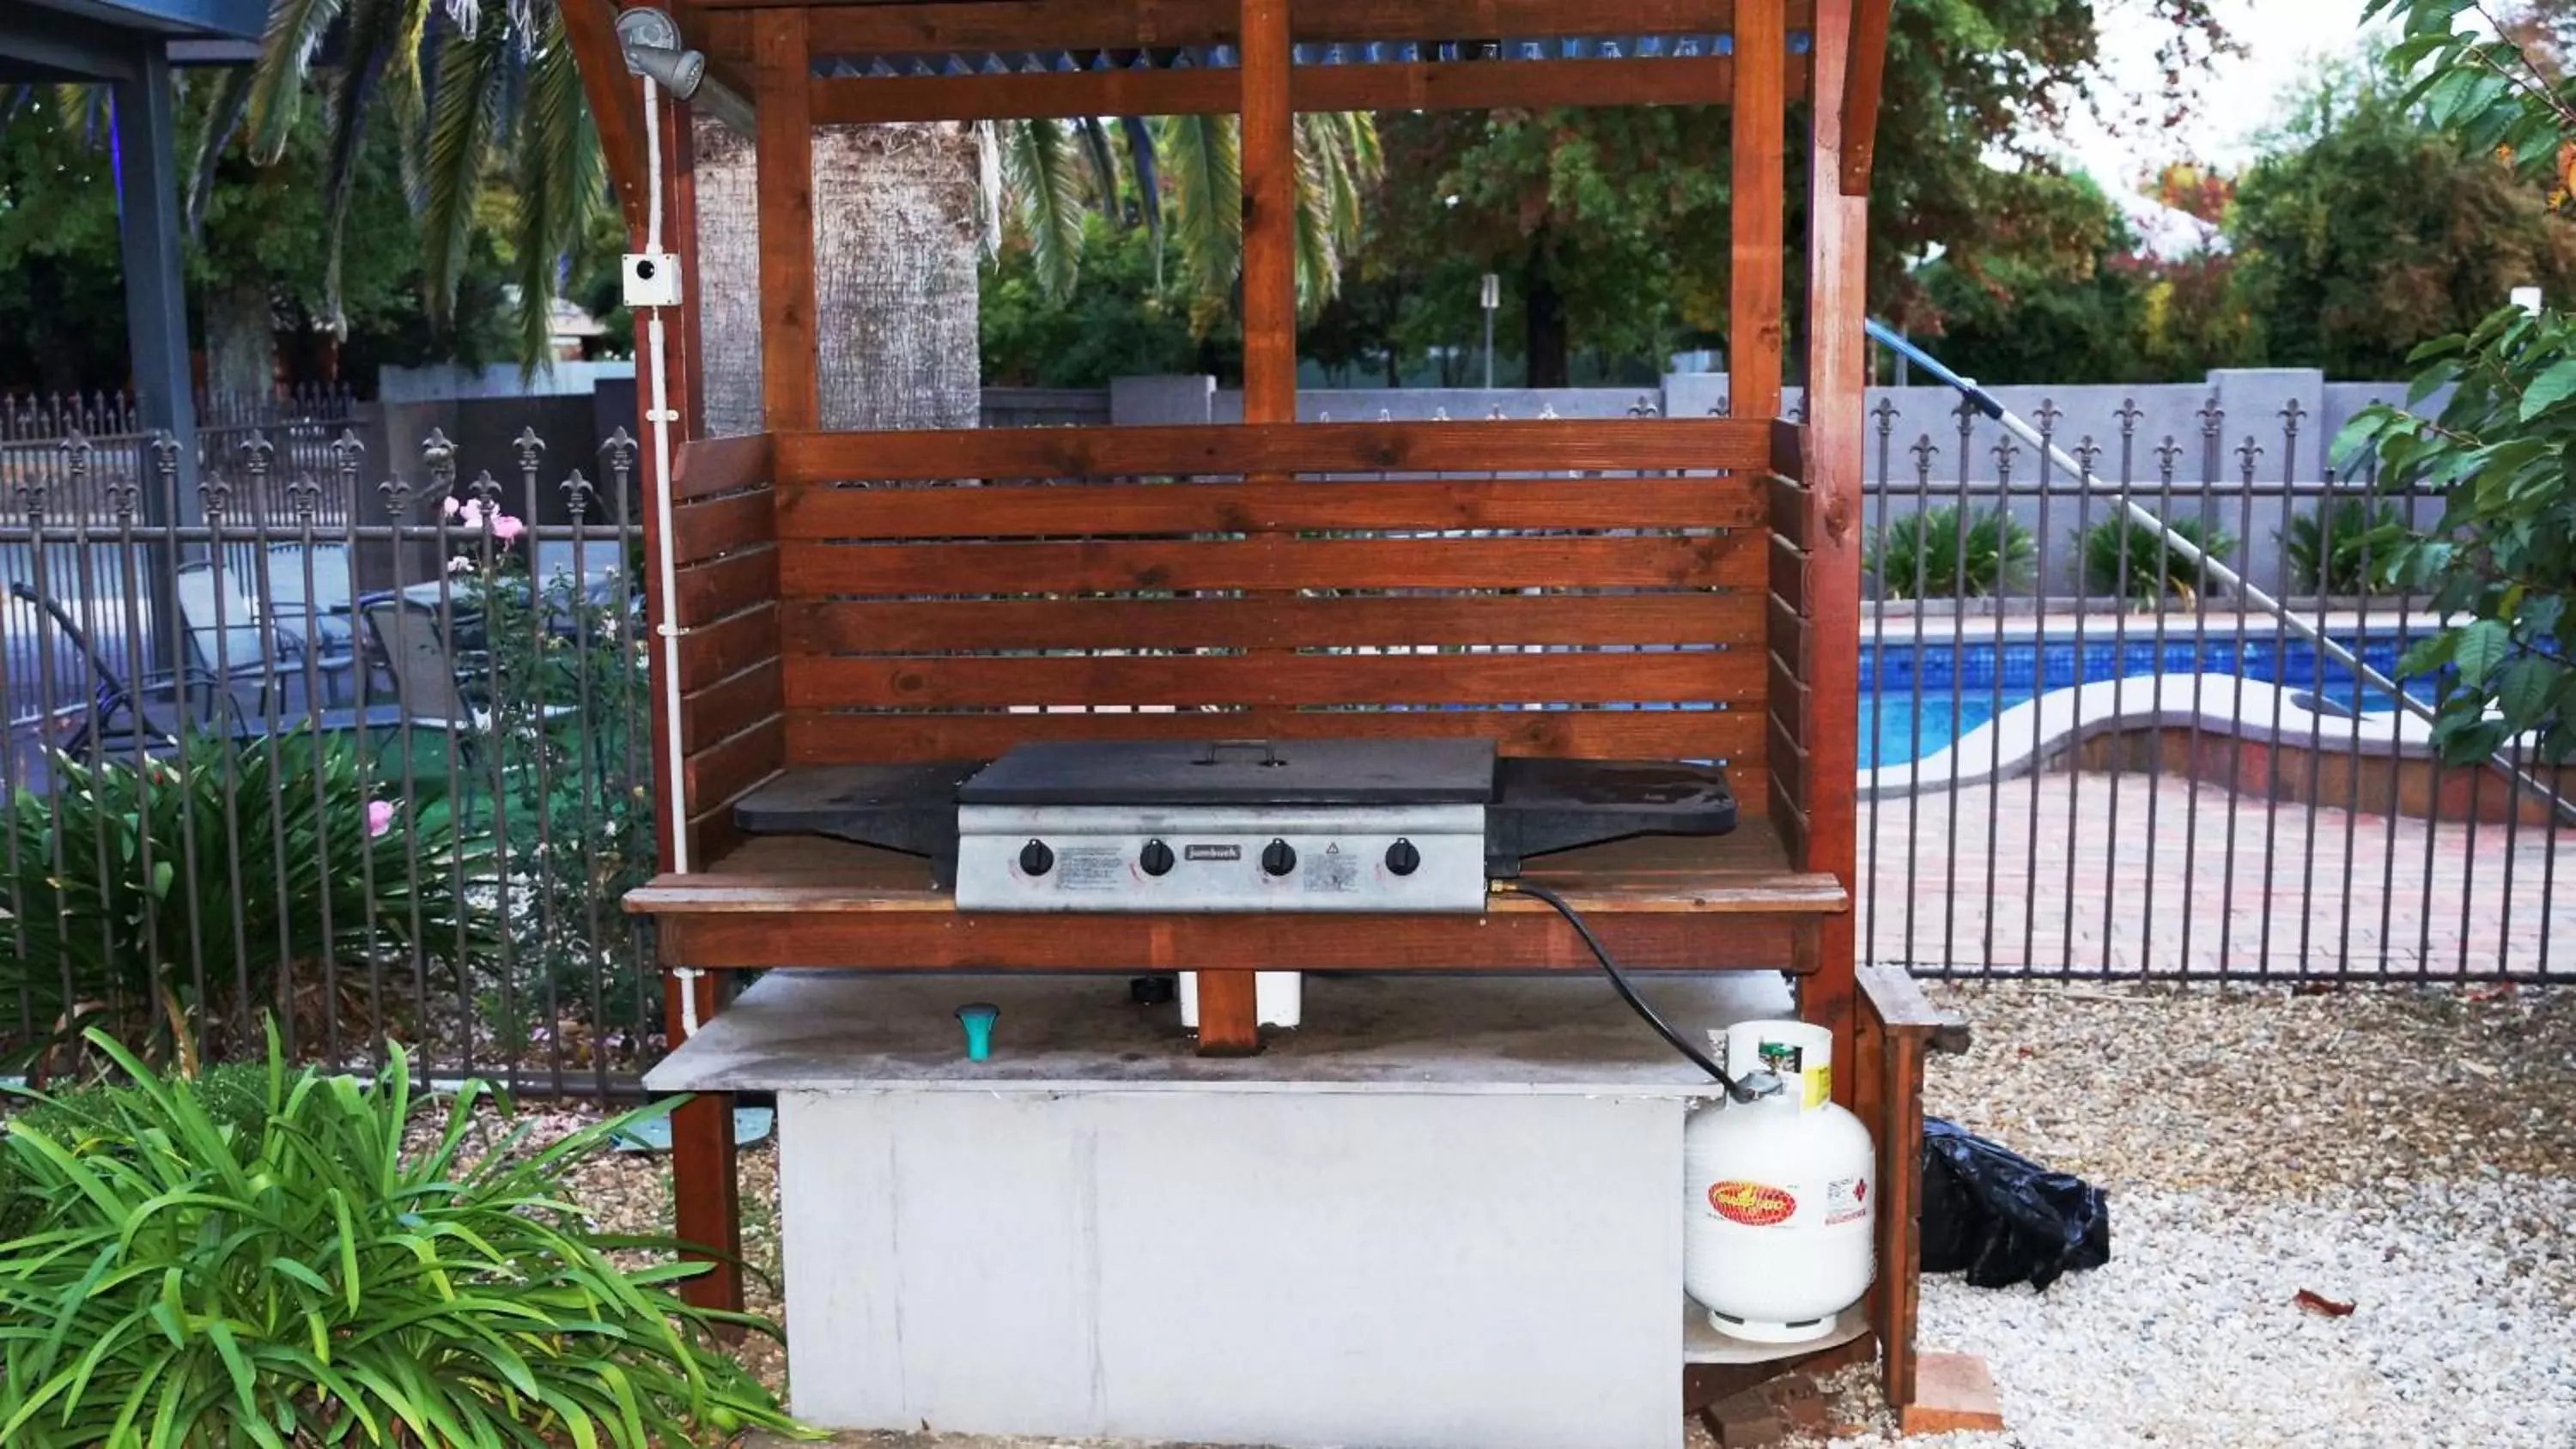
[(2412, 1153)]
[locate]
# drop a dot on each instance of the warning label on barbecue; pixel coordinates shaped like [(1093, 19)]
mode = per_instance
[(1091, 868), (1332, 869)]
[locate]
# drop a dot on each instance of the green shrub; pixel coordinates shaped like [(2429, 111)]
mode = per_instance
[(345, 1272), (2126, 558), (265, 860), (234, 1094), (1943, 553), (2356, 545)]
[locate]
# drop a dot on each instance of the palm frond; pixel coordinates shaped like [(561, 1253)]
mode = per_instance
[(223, 119), (463, 109), (1096, 149), (295, 29), (372, 41), (1204, 157), (1149, 182), (560, 183), (1040, 174)]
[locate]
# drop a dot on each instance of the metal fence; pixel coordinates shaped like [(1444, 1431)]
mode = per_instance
[(366, 749), (2083, 758)]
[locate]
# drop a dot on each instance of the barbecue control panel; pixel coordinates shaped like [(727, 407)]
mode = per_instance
[(1102, 859)]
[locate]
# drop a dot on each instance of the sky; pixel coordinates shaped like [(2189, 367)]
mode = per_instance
[(2282, 39)]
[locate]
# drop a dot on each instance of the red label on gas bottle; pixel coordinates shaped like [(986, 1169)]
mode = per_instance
[(1754, 1204)]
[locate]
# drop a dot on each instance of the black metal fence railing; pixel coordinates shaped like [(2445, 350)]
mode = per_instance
[(2081, 756), (371, 756)]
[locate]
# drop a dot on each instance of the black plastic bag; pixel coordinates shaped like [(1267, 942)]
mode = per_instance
[(2002, 1218)]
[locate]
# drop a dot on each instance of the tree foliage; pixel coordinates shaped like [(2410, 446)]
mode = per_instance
[(2502, 449)]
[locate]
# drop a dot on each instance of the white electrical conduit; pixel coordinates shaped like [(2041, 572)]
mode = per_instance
[(658, 418), (2192, 555)]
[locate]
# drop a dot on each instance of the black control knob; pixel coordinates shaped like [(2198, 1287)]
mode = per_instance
[(1036, 859), (1156, 858), (1278, 857), (1403, 858)]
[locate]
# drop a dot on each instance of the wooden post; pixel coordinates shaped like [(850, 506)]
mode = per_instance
[(782, 74), (1760, 202), (707, 1193), (1837, 274), (1269, 219)]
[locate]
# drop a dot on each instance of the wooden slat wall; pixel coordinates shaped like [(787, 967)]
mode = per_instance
[(1583, 589), (725, 542), (1791, 660), (968, 25)]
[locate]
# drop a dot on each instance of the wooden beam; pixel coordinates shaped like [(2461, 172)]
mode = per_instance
[(1863, 81), (782, 70), (1269, 218), (616, 100), (1837, 269), (1408, 86), (1760, 207), (971, 25)]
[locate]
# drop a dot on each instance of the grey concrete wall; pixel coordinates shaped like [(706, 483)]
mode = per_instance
[(1260, 1267)]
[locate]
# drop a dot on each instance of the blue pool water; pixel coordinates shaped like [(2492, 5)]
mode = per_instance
[(1963, 685)]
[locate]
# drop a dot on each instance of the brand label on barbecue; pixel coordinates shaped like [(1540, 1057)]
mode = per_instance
[(1333, 871), (1754, 1204), (1091, 868), (1846, 1201), (1211, 852)]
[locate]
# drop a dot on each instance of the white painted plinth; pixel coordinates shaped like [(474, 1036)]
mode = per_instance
[(1447, 1213)]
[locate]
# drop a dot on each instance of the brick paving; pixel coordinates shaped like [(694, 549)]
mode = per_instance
[(2134, 876)]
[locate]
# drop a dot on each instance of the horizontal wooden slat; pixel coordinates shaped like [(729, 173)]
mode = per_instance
[(1788, 574), (1788, 510), (730, 766), (729, 646), (1789, 635), (1788, 762), (1736, 736), (1788, 699), (1789, 449), (707, 528), (729, 706), (709, 591), (1706, 80), (1274, 621), (1513, 939), (1539, 445), (860, 100), (720, 465), (813, 570), (860, 27), (1228, 679), (1042, 510)]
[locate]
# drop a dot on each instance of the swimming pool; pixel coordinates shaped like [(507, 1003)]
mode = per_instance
[(1963, 684)]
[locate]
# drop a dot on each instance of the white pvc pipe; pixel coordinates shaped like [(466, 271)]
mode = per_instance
[(658, 419)]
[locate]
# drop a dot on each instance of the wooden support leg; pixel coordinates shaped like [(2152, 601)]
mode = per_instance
[(1897, 1028), (702, 1161), (1229, 1017), (1823, 956)]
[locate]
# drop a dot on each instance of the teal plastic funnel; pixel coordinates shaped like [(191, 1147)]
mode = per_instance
[(978, 1018)]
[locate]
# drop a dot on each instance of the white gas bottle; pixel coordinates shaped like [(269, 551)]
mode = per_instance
[(1782, 1192)]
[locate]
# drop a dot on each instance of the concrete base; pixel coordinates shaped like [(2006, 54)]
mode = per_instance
[(1445, 1213)]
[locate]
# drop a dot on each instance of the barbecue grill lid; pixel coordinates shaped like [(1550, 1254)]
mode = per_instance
[(1238, 772)]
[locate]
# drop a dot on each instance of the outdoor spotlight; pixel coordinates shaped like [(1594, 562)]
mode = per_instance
[(651, 40)]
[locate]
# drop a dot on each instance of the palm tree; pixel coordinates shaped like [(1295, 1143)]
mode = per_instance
[(488, 105)]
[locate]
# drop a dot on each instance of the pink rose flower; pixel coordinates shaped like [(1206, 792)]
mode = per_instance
[(505, 527), (380, 817)]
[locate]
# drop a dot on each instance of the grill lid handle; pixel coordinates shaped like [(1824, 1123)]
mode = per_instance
[(1269, 751)]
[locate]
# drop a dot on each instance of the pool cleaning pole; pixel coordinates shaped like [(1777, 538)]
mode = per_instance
[(2191, 553)]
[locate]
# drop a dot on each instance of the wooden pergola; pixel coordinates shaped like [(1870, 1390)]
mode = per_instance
[(1674, 588)]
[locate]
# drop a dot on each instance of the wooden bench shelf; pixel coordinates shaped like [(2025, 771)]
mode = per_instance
[(1722, 903)]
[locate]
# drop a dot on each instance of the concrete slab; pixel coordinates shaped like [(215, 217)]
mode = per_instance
[(816, 1031)]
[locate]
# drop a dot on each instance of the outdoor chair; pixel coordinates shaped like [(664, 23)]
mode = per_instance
[(118, 714), (435, 685), (232, 638), (320, 619)]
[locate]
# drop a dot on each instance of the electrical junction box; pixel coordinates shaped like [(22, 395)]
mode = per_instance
[(652, 280)]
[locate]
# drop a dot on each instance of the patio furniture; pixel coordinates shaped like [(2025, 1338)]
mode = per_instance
[(437, 685), (235, 639), (117, 714)]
